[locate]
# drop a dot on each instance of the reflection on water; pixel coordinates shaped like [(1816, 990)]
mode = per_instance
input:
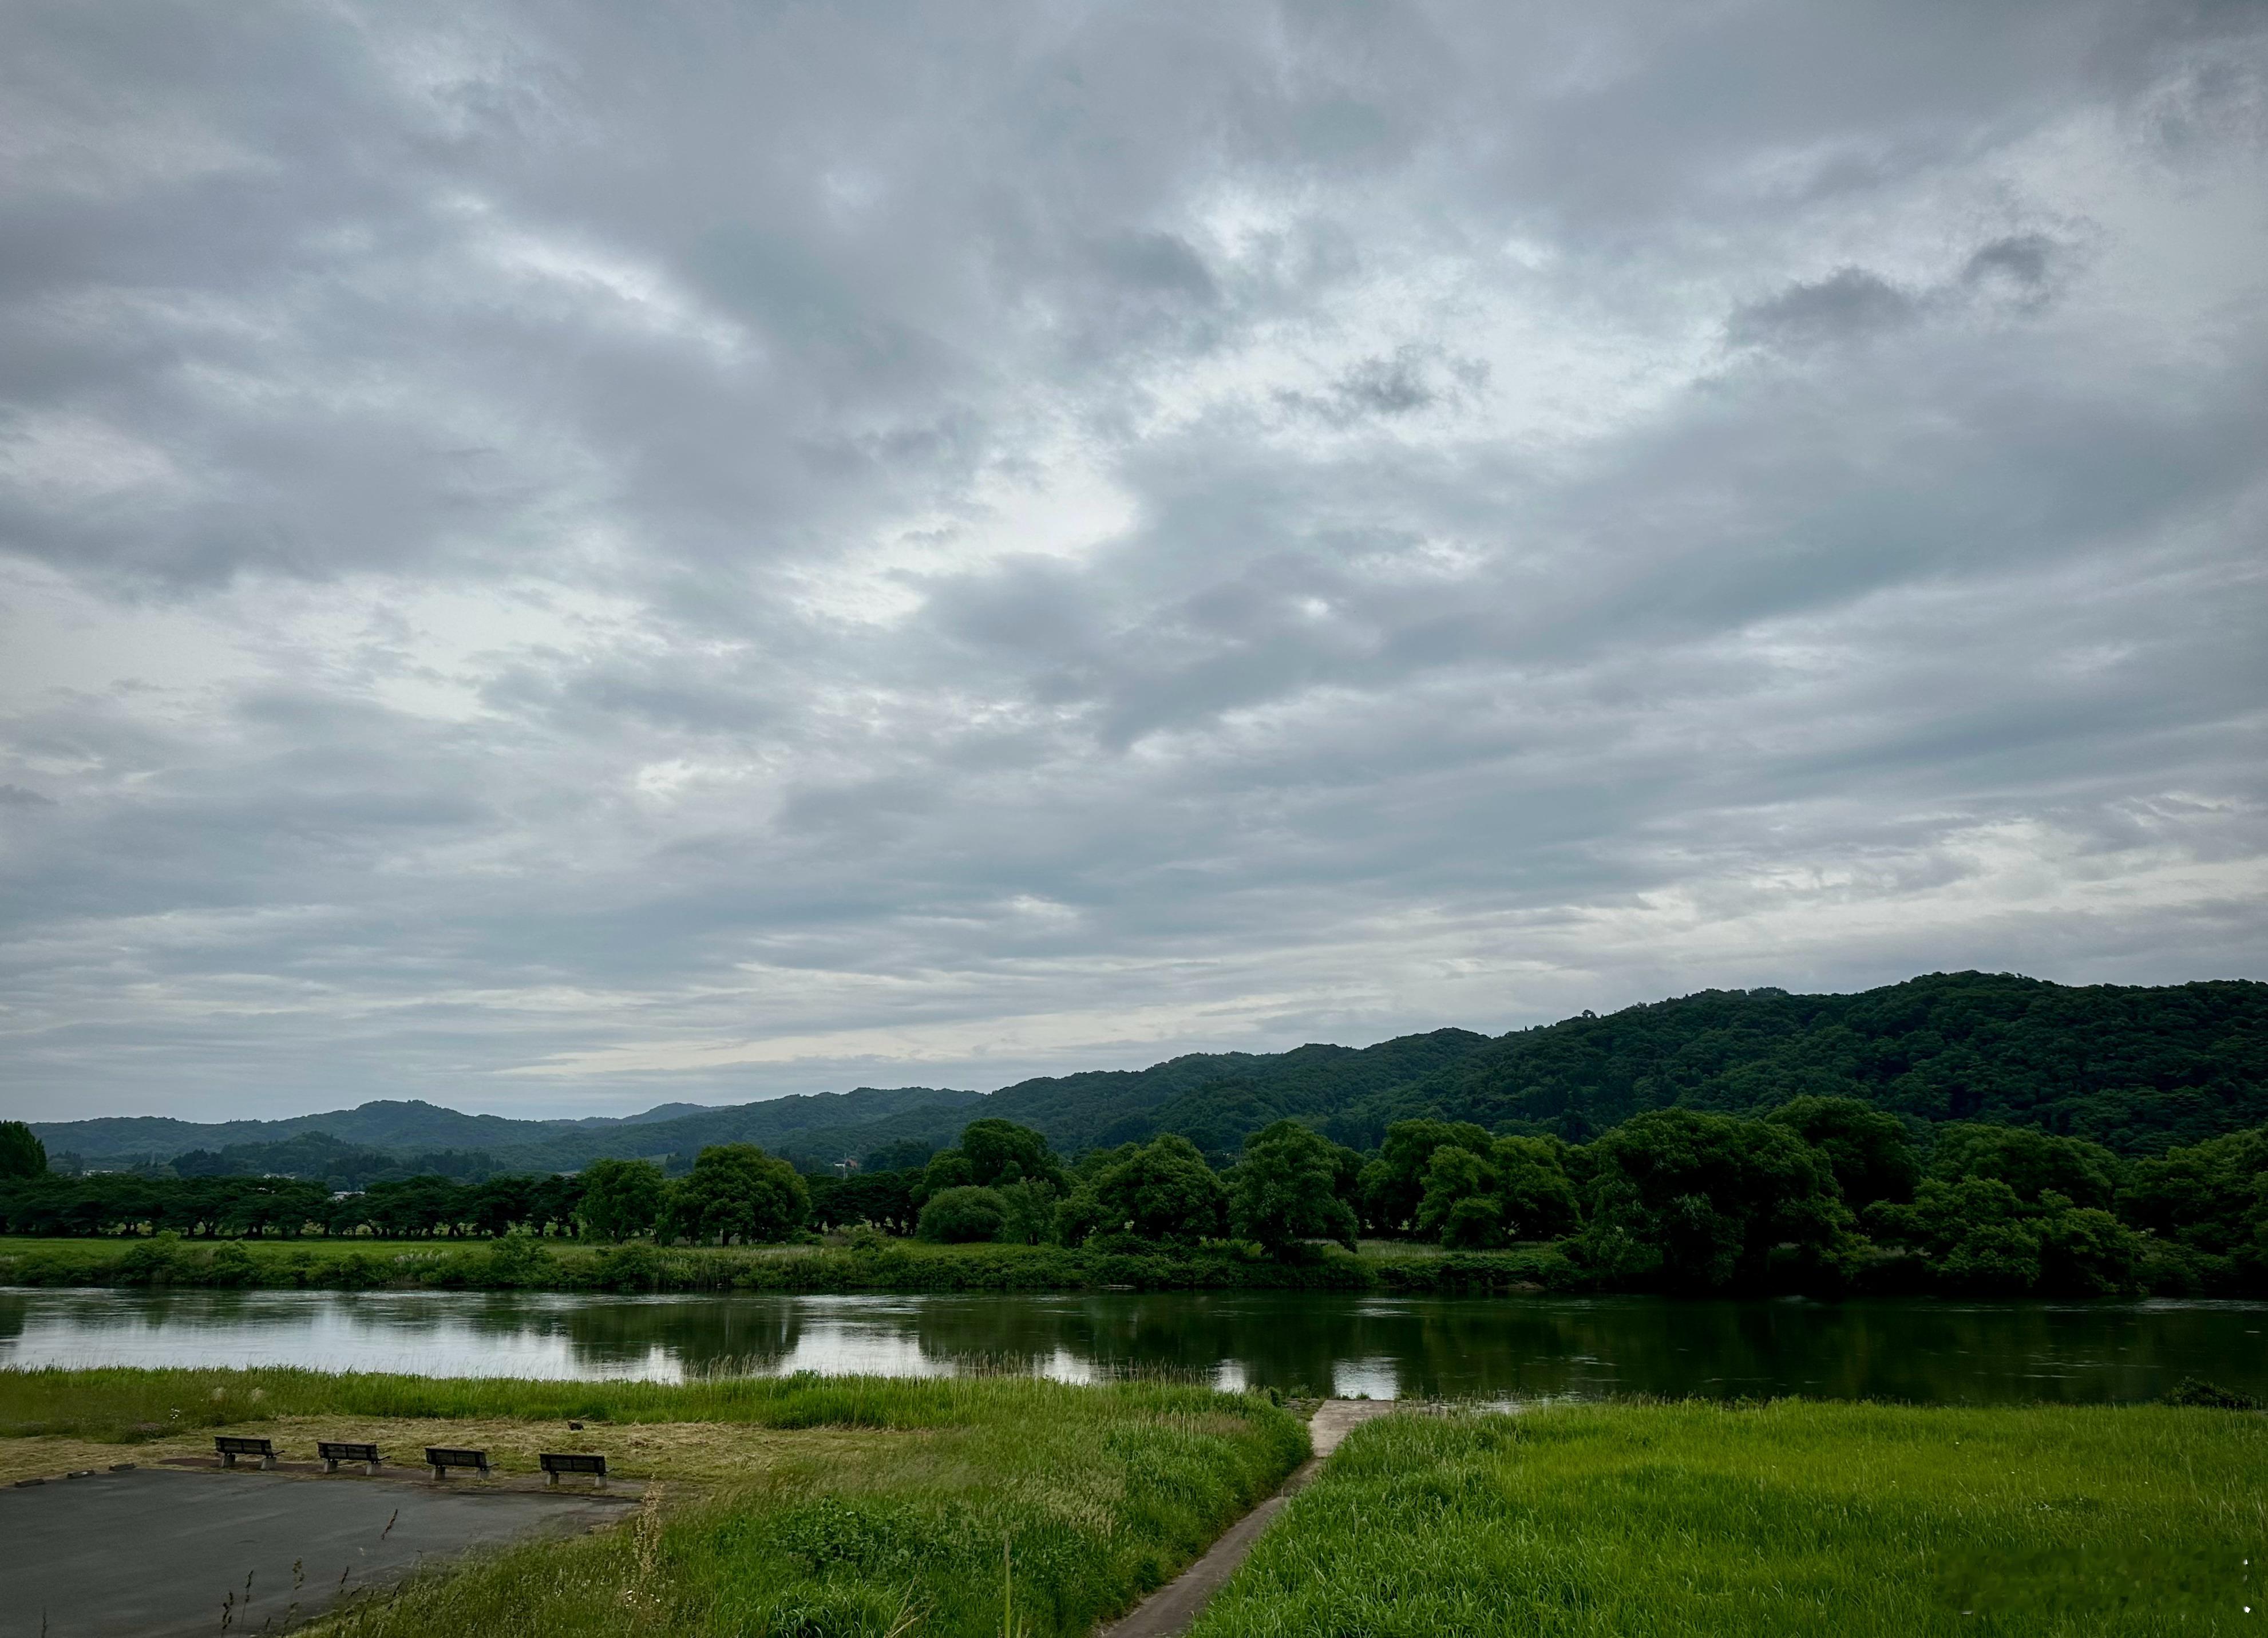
[(1517, 1348)]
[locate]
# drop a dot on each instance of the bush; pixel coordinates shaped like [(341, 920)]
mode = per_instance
[(2198, 1394), (961, 1215)]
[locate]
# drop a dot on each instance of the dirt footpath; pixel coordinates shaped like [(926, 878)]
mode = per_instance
[(155, 1553), (1174, 1607)]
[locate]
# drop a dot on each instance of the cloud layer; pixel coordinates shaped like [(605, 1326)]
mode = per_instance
[(552, 556)]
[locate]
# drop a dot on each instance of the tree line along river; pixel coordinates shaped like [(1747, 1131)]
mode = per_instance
[(1917, 1351)]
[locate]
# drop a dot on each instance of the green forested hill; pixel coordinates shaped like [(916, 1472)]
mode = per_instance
[(2138, 1069)]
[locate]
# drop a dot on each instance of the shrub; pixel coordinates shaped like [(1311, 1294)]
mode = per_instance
[(961, 1215)]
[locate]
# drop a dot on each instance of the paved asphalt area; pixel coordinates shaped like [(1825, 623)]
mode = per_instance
[(153, 1552)]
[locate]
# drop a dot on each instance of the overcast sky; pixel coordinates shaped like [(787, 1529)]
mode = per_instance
[(555, 557)]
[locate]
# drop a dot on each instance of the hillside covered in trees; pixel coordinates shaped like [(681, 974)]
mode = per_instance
[(2136, 1070)]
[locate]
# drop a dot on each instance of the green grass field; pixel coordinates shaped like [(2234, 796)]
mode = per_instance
[(1692, 1520), (804, 1506)]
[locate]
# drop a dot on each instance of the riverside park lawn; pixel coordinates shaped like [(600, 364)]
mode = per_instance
[(1792, 1517), (797, 1506), (825, 1508)]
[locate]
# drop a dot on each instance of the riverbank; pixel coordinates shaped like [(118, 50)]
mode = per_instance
[(870, 1263), (1785, 1518), (831, 1505)]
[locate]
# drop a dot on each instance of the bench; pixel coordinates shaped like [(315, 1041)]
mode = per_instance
[(334, 1451), (441, 1459), (231, 1448), (559, 1464)]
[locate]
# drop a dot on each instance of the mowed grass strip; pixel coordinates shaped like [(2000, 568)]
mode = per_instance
[(1691, 1519), (815, 1507)]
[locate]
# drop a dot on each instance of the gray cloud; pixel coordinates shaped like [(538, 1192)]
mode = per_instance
[(554, 558)]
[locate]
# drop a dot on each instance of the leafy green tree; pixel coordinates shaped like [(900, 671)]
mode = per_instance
[(1694, 1202), (884, 1200), (1030, 1210), (957, 1216), (2084, 1251), (736, 1193), (1867, 1149), (22, 1155), (1283, 1191), (621, 1199), (2029, 1162), (1534, 1189), (1978, 1235), (1163, 1190), (947, 1169), (2207, 1205), (1517, 1190), (500, 1203), (1000, 1152), (1395, 1182), (1458, 1206)]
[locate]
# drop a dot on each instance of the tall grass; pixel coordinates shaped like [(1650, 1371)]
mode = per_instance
[(1790, 1518), (362, 1264), (123, 1402)]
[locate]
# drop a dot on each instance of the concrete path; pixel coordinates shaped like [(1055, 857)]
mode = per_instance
[(155, 1553), (1174, 1607)]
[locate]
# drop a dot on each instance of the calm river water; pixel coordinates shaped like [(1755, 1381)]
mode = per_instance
[(1519, 1347)]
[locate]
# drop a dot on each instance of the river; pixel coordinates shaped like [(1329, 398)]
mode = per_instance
[(1517, 1348)]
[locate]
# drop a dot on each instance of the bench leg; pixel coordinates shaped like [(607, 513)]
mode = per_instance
[(371, 1469), (330, 1463), (266, 1462), (440, 1473), (228, 1458), (551, 1481)]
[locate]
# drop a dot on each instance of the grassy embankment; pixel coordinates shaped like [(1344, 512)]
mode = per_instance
[(803, 1506), (878, 1265), (1791, 1517)]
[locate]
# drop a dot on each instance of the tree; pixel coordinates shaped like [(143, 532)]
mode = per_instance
[(1459, 1205), (1978, 1235), (961, 1215), (1394, 1183), (736, 1193), (1867, 1149), (1695, 1202), (1537, 1195), (2209, 1202), (621, 1199), (1031, 1210), (2029, 1161), (947, 1169), (883, 1198), (1163, 1190), (21, 1153), (1517, 1190), (1001, 1152), (500, 1203), (1282, 1192)]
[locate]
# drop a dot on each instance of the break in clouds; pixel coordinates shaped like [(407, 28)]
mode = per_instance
[(556, 557)]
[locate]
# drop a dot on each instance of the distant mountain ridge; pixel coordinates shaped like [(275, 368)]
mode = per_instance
[(2137, 1068)]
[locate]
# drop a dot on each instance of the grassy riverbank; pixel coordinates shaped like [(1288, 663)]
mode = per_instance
[(874, 1264), (1788, 1518), (800, 1506)]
